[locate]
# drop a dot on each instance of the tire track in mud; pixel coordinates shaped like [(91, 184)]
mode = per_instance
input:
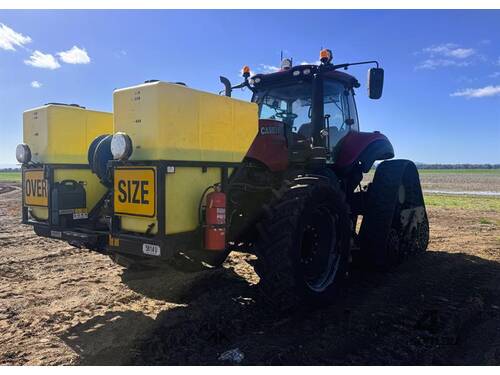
[(382, 319)]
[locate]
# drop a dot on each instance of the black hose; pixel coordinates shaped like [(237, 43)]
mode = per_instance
[(200, 220)]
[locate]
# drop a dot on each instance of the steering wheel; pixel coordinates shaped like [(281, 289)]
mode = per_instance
[(286, 115)]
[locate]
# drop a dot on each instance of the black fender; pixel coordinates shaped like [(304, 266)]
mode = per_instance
[(378, 150)]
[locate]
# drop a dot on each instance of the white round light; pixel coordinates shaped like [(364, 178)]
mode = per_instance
[(306, 71), (121, 146), (257, 80), (23, 153), (296, 73)]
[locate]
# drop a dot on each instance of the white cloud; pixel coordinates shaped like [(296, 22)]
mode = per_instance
[(478, 93), (436, 63), (446, 55), (36, 84), (74, 55), (467, 79), (42, 60), (310, 63), (119, 54), (269, 68), (450, 50), (462, 53), (10, 38)]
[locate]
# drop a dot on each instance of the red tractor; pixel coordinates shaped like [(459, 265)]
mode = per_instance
[(296, 200), (293, 198)]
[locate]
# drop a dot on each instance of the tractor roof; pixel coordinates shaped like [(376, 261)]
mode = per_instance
[(305, 72)]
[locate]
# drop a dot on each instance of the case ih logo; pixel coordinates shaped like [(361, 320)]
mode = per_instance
[(270, 130)]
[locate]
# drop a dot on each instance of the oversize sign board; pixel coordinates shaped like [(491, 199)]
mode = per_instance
[(35, 188), (135, 191)]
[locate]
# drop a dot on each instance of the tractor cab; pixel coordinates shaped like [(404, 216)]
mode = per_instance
[(308, 115), (314, 111)]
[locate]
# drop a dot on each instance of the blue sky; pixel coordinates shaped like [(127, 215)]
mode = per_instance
[(441, 99)]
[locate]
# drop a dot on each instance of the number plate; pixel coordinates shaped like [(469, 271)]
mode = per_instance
[(56, 233), (151, 249), (80, 213), (35, 188), (135, 191)]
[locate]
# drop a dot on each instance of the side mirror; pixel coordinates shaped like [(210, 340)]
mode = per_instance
[(375, 82), (227, 86)]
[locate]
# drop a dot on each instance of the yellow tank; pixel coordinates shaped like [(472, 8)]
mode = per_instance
[(173, 122), (63, 133)]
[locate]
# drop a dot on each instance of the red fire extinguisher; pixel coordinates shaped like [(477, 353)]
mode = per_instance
[(215, 220)]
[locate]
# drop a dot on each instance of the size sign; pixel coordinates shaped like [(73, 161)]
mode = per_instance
[(35, 188), (135, 191)]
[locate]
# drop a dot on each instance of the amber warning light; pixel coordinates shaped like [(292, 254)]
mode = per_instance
[(325, 56), (246, 71)]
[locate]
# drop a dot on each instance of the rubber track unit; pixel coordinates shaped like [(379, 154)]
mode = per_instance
[(382, 211), (278, 247)]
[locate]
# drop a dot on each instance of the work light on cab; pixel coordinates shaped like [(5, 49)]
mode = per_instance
[(23, 153), (121, 146)]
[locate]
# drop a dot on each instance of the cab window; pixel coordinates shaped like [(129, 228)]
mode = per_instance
[(339, 111)]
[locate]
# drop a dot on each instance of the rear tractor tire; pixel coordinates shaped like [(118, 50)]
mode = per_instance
[(395, 225), (303, 246)]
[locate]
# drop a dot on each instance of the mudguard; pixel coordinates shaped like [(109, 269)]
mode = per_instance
[(363, 148)]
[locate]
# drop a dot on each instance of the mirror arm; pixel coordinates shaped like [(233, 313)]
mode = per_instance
[(243, 85), (326, 68)]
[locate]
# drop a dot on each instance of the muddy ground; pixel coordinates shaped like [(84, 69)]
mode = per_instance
[(61, 305)]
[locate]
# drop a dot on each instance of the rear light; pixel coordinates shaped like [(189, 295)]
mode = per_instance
[(23, 153), (121, 146)]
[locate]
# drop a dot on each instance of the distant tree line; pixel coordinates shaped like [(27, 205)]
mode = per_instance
[(10, 169), (457, 166), (419, 166)]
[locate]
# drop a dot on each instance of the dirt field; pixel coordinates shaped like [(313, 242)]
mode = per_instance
[(465, 181), (60, 305)]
